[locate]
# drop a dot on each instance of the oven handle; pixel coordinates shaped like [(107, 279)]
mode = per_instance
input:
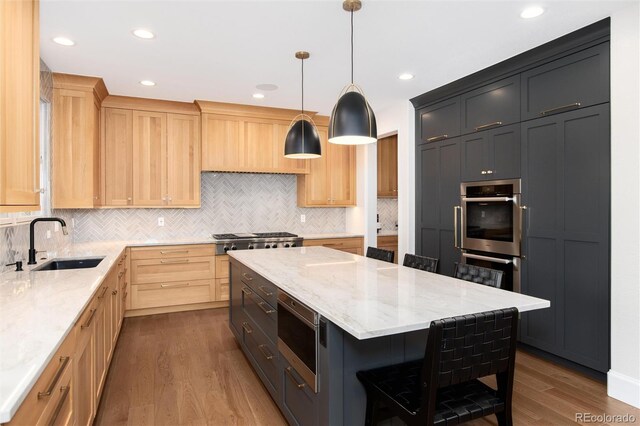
[(487, 258), (455, 225), (487, 199)]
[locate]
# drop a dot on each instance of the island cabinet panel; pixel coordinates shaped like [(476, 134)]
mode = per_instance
[(565, 186), (19, 105), (575, 81), (300, 404), (439, 121), (493, 105), (491, 154), (237, 317)]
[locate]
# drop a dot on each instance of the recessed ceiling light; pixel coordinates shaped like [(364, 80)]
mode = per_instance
[(64, 41), (258, 95), (147, 83), (142, 33), (267, 87), (405, 76), (532, 12)]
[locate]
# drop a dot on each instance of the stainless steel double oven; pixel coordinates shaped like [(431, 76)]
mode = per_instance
[(490, 226)]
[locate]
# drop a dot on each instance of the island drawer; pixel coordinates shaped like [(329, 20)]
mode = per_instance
[(299, 402), (171, 293), (171, 252), (260, 286), (262, 351), (147, 271), (260, 311)]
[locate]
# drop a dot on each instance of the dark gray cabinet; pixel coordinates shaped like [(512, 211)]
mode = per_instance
[(492, 154), (299, 402), (493, 105), (575, 81), (236, 312), (437, 193), (565, 186), (440, 121)]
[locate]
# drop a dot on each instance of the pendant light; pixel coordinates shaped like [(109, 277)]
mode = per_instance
[(303, 140), (352, 119)]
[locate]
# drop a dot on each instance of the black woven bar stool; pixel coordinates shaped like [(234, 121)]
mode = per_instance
[(380, 254), (423, 263), (479, 274)]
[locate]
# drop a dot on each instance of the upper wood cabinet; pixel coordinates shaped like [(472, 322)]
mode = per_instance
[(388, 167), (244, 138), (151, 153), (331, 181), (19, 105), (76, 141)]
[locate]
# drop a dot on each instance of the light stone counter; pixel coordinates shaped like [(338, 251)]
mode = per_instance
[(39, 309), (330, 236), (369, 298)]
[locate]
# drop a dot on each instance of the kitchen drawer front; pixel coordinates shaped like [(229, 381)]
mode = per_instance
[(170, 293), (344, 244), (493, 105), (299, 402), (39, 409), (222, 289), (263, 352), (222, 266), (149, 271), (440, 121), (261, 312), (172, 252), (260, 286), (59, 411), (581, 78)]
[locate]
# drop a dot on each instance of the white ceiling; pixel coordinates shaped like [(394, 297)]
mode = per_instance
[(220, 50)]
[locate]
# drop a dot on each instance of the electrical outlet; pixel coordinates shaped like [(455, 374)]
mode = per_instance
[(303, 218), (73, 223), (48, 234), (161, 221), (56, 226)]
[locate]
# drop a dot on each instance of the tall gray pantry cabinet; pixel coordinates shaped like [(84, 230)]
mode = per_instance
[(543, 117)]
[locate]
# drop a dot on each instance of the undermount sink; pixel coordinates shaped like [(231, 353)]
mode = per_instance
[(75, 263)]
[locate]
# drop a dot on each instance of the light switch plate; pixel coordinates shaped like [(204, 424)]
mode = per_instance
[(303, 218)]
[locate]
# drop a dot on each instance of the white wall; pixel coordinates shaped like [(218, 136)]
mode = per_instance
[(624, 376), (362, 218)]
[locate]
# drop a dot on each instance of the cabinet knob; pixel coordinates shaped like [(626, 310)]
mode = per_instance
[(129, 198), (489, 172), (484, 172)]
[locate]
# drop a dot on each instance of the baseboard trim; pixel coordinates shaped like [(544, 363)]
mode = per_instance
[(179, 308), (623, 388), (589, 372)]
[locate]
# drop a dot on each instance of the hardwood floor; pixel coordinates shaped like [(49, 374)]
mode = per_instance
[(186, 368)]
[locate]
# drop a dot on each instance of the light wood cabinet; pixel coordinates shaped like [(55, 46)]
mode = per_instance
[(117, 156), (19, 105), (331, 181), (83, 368), (244, 138), (388, 167), (183, 160), (354, 245), (389, 242), (149, 159), (102, 338), (75, 153)]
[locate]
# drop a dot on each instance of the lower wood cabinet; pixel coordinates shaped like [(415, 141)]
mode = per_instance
[(389, 242), (353, 245)]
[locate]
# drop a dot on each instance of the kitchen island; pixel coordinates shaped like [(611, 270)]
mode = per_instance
[(360, 313)]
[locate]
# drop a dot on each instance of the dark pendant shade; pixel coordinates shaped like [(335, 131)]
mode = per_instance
[(302, 141), (352, 121)]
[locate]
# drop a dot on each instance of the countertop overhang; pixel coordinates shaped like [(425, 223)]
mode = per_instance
[(369, 298)]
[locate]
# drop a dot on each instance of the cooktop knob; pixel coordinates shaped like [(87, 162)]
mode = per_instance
[(293, 244), (225, 248), (234, 248), (267, 246), (250, 247), (287, 245)]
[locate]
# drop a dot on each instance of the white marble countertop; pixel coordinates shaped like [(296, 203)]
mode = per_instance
[(39, 309), (370, 298), (387, 233), (330, 235)]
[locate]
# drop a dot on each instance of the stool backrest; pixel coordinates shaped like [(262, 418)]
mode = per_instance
[(380, 254), (423, 263), (479, 274)]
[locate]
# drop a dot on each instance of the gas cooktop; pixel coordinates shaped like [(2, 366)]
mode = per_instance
[(258, 240)]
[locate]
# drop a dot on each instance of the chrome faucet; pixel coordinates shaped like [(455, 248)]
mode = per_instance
[(32, 250)]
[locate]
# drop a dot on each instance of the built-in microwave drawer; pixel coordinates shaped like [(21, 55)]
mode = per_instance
[(260, 286), (260, 312), (262, 350)]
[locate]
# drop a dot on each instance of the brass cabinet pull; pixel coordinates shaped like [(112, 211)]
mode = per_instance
[(125, 295), (265, 310), (266, 293), (64, 360), (104, 290), (175, 285), (246, 327), (437, 138), (56, 412), (175, 261), (88, 323), (486, 126), (561, 108), (298, 384), (455, 225), (120, 274), (174, 251), (246, 291), (268, 355), (114, 292), (247, 276)]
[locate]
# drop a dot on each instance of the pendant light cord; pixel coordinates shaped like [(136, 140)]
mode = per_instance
[(352, 47), (302, 111)]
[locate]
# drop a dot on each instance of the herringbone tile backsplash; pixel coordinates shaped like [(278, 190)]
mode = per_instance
[(388, 211), (231, 202)]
